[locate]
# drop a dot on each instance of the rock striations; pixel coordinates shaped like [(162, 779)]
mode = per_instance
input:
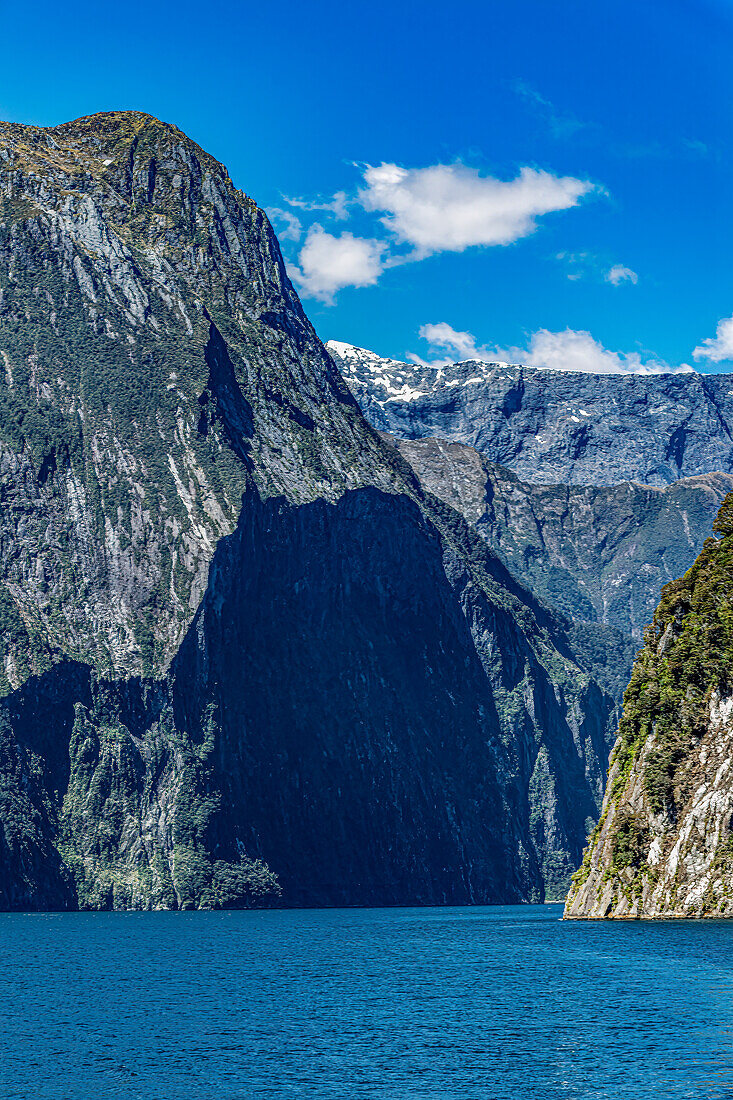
[(245, 657), (664, 844), (553, 427), (598, 553)]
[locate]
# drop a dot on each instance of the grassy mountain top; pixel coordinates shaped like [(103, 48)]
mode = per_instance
[(97, 143)]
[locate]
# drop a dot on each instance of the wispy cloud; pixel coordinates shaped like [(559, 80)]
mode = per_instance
[(287, 226), (561, 124), (717, 348), (698, 148), (338, 206), (582, 265), (564, 125), (659, 150), (569, 350), (577, 264)]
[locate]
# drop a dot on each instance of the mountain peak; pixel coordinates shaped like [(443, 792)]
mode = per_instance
[(109, 146)]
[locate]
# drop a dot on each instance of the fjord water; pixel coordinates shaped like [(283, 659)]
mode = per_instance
[(493, 1003)]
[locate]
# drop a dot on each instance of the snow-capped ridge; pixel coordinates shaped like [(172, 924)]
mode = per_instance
[(553, 426)]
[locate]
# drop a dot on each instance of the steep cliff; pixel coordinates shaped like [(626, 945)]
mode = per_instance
[(664, 844), (247, 658), (599, 553), (553, 427)]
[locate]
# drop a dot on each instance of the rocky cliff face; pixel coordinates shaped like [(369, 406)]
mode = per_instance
[(246, 658), (664, 844), (553, 427), (157, 363), (600, 554)]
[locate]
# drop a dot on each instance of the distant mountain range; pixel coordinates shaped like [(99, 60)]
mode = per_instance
[(598, 553), (594, 545), (553, 427)]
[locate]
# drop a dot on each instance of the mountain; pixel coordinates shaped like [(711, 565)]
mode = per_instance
[(553, 427), (246, 658), (664, 844), (598, 553)]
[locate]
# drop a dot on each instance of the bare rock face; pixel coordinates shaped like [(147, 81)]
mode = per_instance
[(598, 553), (156, 363), (245, 657), (553, 427), (664, 844)]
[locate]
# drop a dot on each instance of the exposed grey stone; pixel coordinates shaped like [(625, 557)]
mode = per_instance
[(554, 427)]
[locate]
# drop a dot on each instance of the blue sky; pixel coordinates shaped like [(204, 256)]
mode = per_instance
[(546, 181)]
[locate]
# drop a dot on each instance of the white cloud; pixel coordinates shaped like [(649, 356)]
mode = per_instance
[(460, 345), (572, 350), (719, 347), (450, 207), (569, 350), (444, 207), (619, 274), (328, 263)]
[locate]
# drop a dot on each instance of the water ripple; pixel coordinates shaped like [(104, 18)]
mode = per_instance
[(406, 1004)]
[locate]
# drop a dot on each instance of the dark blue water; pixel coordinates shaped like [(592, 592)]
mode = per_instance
[(464, 1003)]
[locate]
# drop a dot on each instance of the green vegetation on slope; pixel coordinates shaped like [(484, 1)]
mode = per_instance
[(688, 655), (687, 658)]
